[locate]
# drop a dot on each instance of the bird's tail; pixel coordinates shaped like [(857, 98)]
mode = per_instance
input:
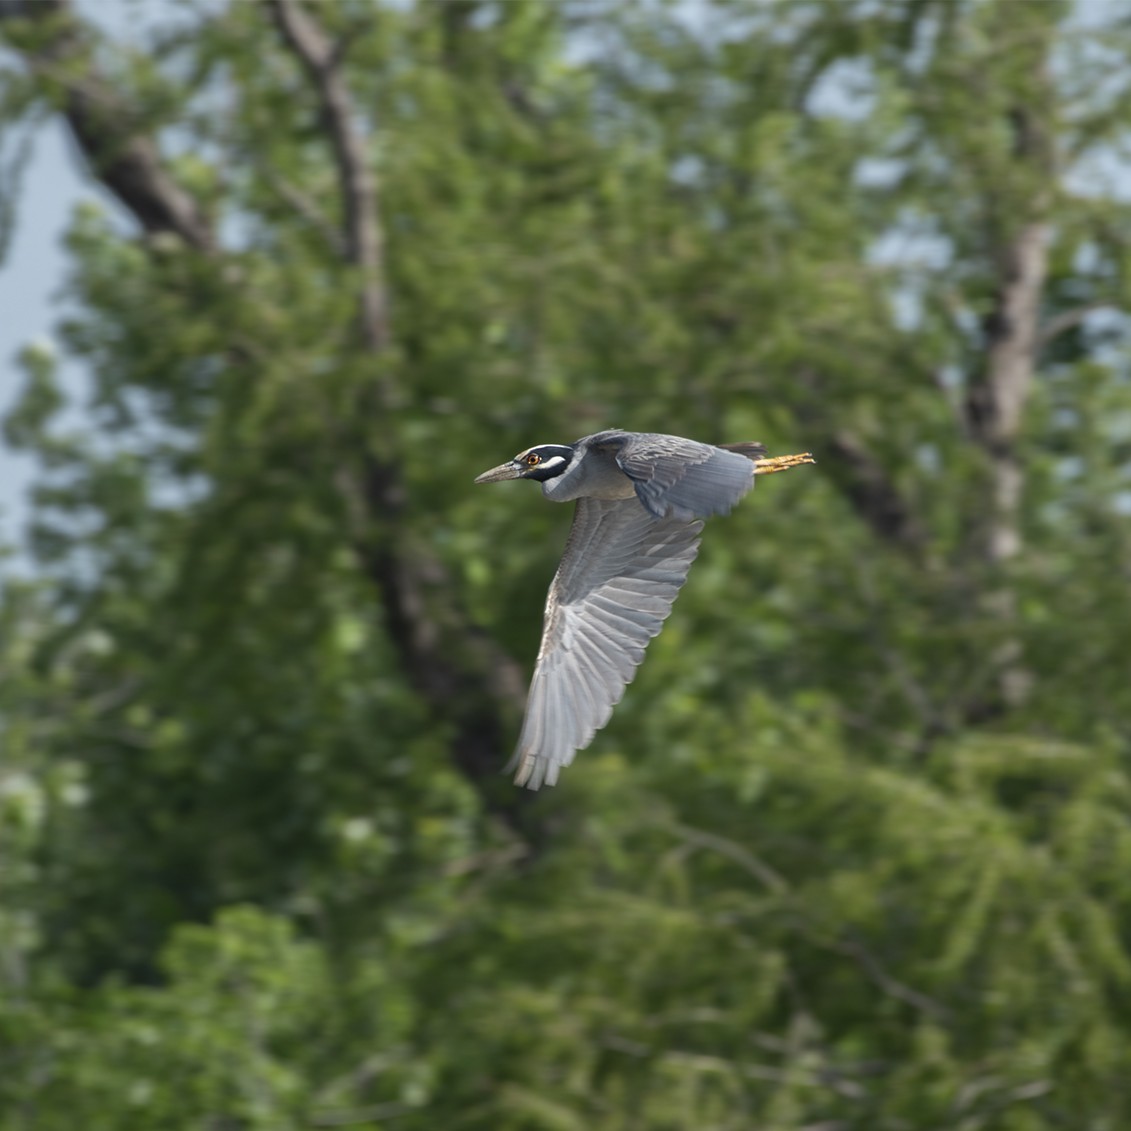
[(748, 448)]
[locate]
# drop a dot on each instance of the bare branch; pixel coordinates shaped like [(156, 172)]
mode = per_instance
[(700, 1062), (1067, 320), (490, 859), (132, 169), (734, 851), (372, 1114), (874, 494), (361, 1076), (308, 210), (125, 160), (859, 475), (996, 400), (362, 229), (889, 985)]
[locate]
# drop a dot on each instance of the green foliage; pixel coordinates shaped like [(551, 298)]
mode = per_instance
[(812, 875)]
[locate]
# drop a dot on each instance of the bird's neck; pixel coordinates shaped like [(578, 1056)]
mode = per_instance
[(594, 474)]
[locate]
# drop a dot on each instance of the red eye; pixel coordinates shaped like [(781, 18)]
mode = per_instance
[(532, 460)]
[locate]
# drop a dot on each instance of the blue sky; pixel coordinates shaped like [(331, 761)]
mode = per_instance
[(30, 280), (35, 270)]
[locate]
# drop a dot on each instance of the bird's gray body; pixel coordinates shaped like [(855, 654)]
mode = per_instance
[(641, 497), (669, 476)]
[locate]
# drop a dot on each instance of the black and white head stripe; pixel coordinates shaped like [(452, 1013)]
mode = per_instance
[(544, 461)]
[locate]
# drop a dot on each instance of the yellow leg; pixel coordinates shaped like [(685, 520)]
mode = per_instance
[(771, 464)]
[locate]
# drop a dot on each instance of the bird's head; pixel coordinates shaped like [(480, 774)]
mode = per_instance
[(541, 463)]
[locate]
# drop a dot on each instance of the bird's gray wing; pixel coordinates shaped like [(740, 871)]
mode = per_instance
[(680, 478), (618, 577)]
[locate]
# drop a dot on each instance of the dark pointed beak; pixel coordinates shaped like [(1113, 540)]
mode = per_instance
[(508, 470)]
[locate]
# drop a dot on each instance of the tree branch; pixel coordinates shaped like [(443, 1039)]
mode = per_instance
[(308, 210), (810, 1078), (362, 231), (884, 981), (761, 871), (375, 1113), (859, 475), (874, 494), (1067, 320), (996, 399), (462, 674), (126, 161)]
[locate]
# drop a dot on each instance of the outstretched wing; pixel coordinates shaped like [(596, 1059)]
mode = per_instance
[(618, 577), (684, 479)]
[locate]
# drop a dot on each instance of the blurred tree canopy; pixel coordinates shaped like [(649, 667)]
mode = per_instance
[(855, 852)]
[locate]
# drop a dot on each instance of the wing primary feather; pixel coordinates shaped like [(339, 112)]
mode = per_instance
[(621, 570)]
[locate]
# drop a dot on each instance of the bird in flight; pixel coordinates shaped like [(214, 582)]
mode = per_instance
[(641, 498)]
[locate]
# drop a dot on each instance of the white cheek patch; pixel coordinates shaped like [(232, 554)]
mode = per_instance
[(554, 461)]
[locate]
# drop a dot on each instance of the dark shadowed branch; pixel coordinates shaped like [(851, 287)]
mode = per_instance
[(874, 494), (859, 474)]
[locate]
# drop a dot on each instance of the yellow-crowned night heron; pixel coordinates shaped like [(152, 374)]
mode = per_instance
[(640, 496)]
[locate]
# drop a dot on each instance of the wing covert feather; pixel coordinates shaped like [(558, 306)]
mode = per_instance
[(621, 571), (679, 478)]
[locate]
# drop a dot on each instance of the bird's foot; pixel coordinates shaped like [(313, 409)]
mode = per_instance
[(771, 464)]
